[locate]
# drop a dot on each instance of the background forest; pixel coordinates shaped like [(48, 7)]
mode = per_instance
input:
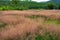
[(28, 4)]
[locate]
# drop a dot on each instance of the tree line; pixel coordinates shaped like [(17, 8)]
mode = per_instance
[(27, 4)]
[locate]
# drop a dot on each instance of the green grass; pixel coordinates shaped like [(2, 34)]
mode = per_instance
[(53, 21), (14, 38), (34, 16), (38, 37)]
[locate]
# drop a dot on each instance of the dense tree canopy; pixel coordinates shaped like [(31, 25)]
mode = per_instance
[(25, 4)]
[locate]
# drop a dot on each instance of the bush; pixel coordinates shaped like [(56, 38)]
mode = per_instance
[(24, 5), (13, 8), (6, 8)]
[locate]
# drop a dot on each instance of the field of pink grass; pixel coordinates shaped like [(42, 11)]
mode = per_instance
[(20, 25)]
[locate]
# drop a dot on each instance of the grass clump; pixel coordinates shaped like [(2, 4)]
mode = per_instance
[(48, 36), (53, 21), (2, 24), (34, 16)]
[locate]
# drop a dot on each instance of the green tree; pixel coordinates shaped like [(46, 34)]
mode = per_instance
[(51, 6)]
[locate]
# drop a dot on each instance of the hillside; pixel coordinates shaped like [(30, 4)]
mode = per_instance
[(56, 1)]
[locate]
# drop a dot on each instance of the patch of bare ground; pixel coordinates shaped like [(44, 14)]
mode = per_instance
[(20, 25)]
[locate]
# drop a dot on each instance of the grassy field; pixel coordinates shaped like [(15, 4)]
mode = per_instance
[(30, 25)]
